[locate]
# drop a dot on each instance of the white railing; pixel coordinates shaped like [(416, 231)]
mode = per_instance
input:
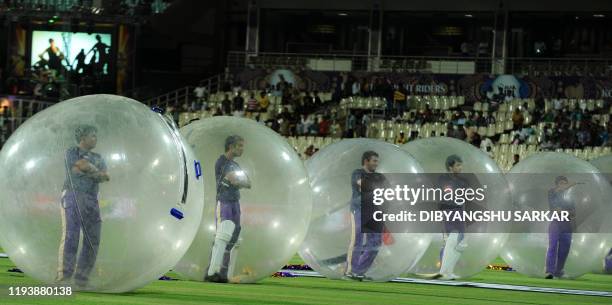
[(421, 64), (357, 62), (21, 109), (185, 95)]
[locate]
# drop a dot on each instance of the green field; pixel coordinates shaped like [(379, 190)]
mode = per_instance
[(323, 291)]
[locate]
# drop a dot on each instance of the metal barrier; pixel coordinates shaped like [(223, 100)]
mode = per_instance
[(558, 66), (358, 62), (184, 96), (420, 64), (20, 110)]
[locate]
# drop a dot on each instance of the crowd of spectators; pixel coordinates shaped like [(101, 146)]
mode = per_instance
[(305, 114)]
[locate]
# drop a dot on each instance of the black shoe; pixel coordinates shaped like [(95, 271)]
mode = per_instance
[(367, 278), (548, 276), (215, 278), (82, 285)]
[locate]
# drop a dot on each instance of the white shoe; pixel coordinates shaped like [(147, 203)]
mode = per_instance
[(450, 277)]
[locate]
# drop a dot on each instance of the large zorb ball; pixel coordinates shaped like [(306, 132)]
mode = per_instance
[(604, 165), (93, 191), (246, 234), (335, 246), (469, 253), (566, 249)]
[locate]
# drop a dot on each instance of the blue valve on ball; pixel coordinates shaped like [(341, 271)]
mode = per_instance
[(198, 169), (176, 213), (157, 109)]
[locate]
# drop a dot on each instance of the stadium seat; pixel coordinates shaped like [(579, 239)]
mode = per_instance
[(491, 130), (504, 139), (499, 127), (482, 131), (485, 106)]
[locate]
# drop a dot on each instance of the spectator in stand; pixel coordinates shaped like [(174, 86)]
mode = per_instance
[(516, 159), (284, 126), (549, 116), (264, 102), (310, 150), (301, 126), (218, 112), (317, 100), (324, 126), (604, 136), (356, 87), (310, 122), (350, 126), (226, 105), (576, 117), (308, 103), (258, 119), (583, 137), (386, 91), (6, 112), (472, 135), (517, 119), (427, 115), (461, 120), (282, 84), (547, 145), (399, 100), (486, 145), (488, 119), (516, 140), (238, 105), (200, 92), (365, 124), (526, 131), (557, 104), (413, 136), (237, 87), (401, 139), (336, 130), (286, 98), (562, 117), (313, 130), (272, 122), (365, 87), (411, 118), (479, 119), (252, 106)]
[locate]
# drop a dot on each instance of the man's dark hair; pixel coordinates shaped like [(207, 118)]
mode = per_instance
[(84, 130), (368, 155), (232, 140), (452, 160), (559, 179)]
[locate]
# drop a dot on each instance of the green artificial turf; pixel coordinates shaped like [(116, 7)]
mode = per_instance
[(321, 291)]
